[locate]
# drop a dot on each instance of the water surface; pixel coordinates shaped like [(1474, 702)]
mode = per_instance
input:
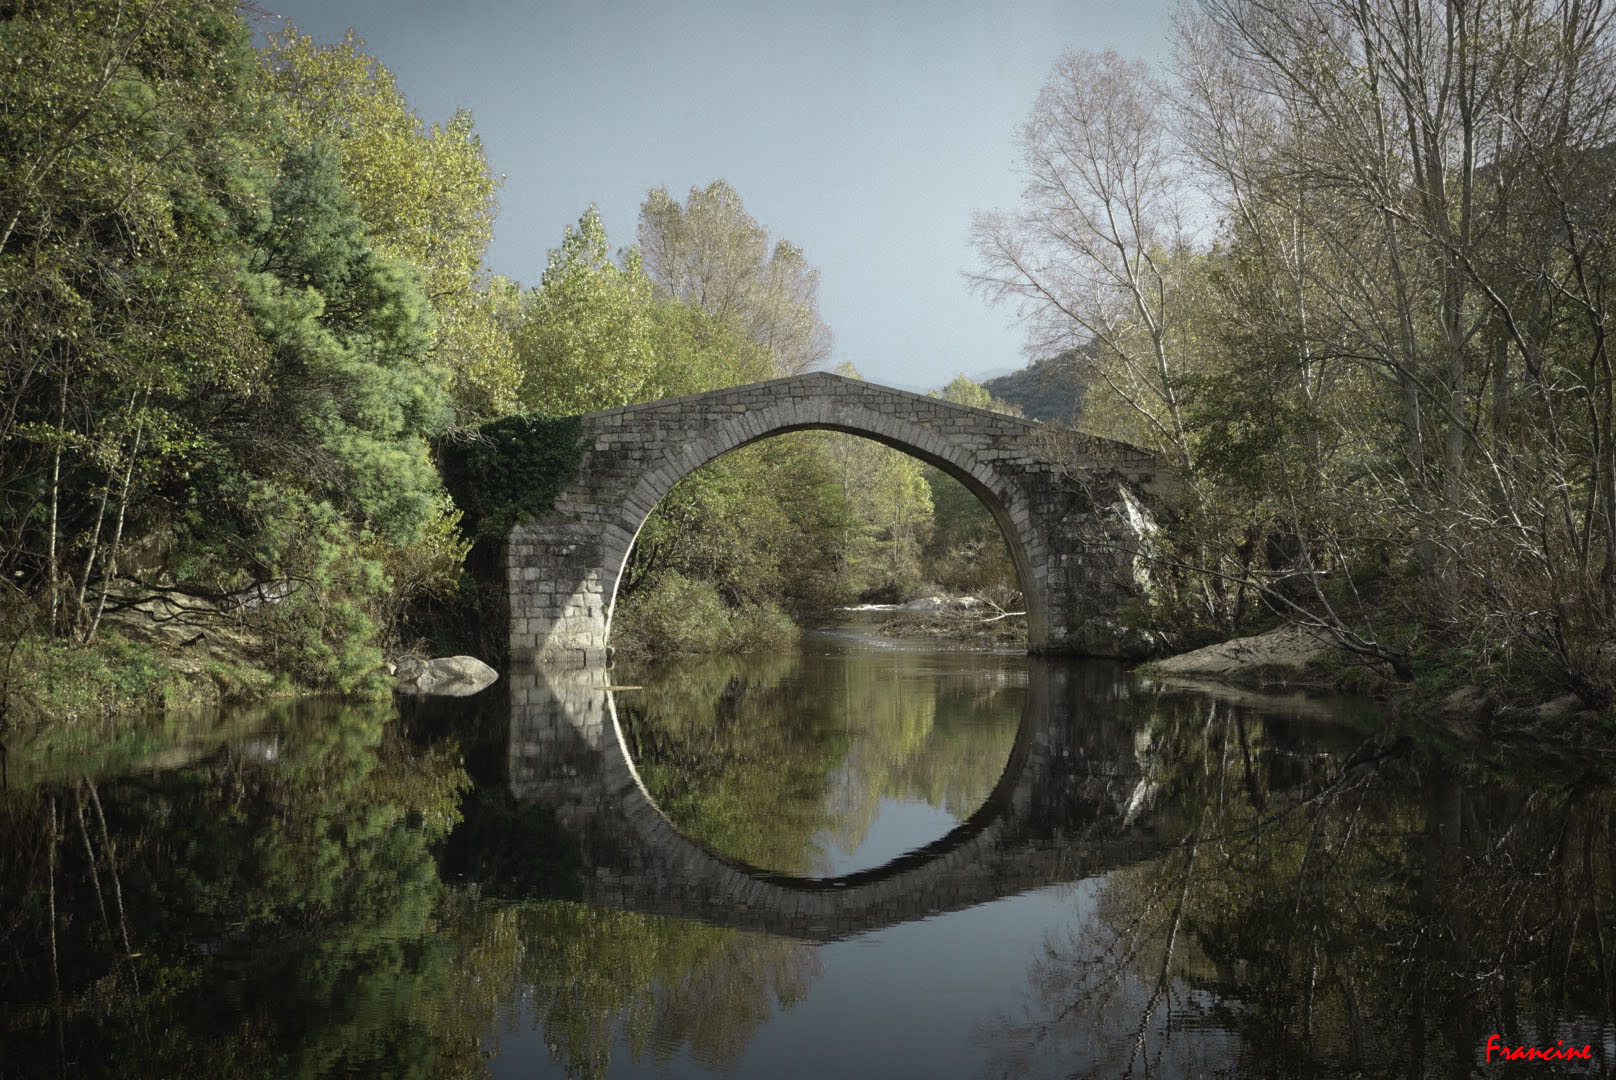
[(861, 859)]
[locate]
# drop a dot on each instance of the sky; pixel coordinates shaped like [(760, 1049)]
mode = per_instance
[(864, 133)]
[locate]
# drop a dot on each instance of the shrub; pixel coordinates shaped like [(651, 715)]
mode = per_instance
[(681, 616), (760, 627), (676, 615)]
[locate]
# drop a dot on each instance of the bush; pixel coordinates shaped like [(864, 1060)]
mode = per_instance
[(675, 615), (760, 627), (679, 616), (69, 683), (322, 629)]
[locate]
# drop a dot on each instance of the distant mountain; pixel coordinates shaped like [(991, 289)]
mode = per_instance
[(1050, 390)]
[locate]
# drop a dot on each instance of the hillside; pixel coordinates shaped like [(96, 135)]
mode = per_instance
[(1047, 389)]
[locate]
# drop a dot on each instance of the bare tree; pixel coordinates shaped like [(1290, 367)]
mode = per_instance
[(1095, 251)]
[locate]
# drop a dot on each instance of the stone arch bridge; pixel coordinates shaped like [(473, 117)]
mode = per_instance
[(1071, 506)]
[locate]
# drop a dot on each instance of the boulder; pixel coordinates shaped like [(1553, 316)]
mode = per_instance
[(445, 676), (1281, 655)]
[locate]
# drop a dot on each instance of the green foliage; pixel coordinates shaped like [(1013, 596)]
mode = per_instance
[(680, 616), (762, 522), (323, 631), (425, 194), (213, 357), (514, 468), (586, 340), (427, 569), (69, 685), (349, 330), (698, 351), (124, 194)]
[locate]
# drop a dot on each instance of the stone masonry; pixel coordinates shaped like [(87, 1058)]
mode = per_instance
[(1072, 507)]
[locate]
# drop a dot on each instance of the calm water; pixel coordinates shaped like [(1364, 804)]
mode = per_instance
[(862, 859)]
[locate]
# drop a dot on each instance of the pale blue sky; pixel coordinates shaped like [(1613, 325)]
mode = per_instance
[(865, 134)]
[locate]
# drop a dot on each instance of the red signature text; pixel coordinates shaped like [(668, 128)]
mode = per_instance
[(1557, 1052)]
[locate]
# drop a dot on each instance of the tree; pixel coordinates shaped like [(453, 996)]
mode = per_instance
[(711, 253), (1404, 171), (586, 340), (425, 194), (758, 533), (1383, 373), (206, 356), (121, 315), (1098, 250), (890, 515)]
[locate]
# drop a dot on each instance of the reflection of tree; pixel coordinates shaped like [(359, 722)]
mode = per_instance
[(272, 909), (920, 736), (666, 984), (1377, 912), (731, 756), (276, 908), (764, 758)]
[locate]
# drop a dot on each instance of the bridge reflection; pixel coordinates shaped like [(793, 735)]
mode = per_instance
[(1073, 802)]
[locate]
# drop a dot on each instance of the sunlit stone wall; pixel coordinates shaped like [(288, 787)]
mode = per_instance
[(1074, 508)]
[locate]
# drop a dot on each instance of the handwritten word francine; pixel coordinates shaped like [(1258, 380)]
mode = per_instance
[(1532, 1053)]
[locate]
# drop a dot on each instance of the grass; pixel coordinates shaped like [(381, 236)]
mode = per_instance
[(56, 683)]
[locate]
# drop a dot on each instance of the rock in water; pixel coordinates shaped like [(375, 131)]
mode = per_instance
[(446, 676)]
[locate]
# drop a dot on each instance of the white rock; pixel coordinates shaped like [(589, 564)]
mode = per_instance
[(446, 676)]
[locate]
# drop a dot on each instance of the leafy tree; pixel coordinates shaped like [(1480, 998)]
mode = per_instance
[(737, 524), (425, 195), (349, 330), (753, 535), (122, 196), (207, 357), (711, 253), (889, 503), (586, 340)]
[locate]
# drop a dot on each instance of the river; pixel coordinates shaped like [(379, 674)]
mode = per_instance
[(863, 858)]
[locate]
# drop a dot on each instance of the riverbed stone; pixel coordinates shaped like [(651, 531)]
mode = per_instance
[(444, 676)]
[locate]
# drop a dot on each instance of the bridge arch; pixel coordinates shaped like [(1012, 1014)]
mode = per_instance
[(1006, 501), (1069, 506)]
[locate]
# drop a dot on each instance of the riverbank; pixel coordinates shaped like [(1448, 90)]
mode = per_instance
[(155, 650), (68, 684), (961, 621), (1464, 701)]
